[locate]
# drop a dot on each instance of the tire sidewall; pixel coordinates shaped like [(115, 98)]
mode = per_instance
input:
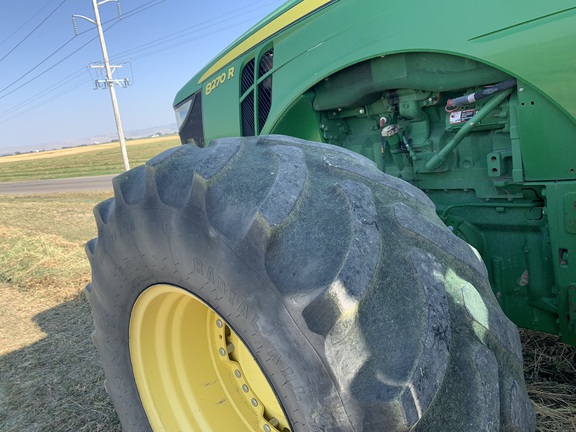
[(146, 245)]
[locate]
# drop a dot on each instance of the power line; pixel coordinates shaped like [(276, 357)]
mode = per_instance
[(37, 66), (129, 14), (24, 25), (44, 71), (61, 92), (71, 77), (42, 62), (209, 24), (33, 30), (189, 30), (141, 8), (186, 41), (149, 45), (55, 87)]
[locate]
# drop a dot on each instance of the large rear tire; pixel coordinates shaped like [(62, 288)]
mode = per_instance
[(270, 283)]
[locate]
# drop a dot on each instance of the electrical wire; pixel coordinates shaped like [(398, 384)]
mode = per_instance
[(187, 41), (149, 45), (55, 87), (129, 14), (180, 33), (51, 67), (24, 25), (43, 72), (142, 8), (36, 67), (209, 24), (61, 92), (33, 30), (42, 62), (6, 116), (135, 11)]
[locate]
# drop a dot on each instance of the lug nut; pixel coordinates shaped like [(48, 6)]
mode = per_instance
[(222, 352), (267, 428), (219, 323), (245, 388), (254, 402), (237, 373)]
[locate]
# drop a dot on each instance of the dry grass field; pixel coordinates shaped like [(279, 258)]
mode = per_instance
[(51, 379), (50, 375), (82, 150), (81, 161)]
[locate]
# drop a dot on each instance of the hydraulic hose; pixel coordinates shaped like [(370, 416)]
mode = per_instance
[(484, 93)]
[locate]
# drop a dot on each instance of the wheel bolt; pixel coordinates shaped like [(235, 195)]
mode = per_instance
[(222, 352), (254, 402), (237, 373), (245, 388), (267, 428), (219, 323)]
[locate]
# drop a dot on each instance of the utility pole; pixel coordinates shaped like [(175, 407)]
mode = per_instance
[(109, 80)]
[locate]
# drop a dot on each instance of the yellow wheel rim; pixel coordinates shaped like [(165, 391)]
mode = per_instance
[(192, 370)]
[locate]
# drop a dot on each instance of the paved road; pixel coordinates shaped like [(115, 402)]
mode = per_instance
[(79, 184)]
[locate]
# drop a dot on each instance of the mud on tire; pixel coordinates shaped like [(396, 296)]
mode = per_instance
[(361, 308)]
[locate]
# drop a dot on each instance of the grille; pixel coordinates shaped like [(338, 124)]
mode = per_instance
[(264, 99), (247, 108), (247, 77)]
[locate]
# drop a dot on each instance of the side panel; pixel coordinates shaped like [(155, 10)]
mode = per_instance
[(561, 209), (548, 138)]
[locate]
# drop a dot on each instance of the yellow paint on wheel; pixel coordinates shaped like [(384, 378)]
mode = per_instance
[(192, 370)]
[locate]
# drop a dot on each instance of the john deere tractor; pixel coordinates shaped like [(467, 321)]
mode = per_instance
[(369, 198)]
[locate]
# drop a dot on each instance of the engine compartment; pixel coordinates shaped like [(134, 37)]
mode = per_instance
[(397, 110)]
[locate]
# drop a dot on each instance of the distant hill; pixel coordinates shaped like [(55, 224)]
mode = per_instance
[(104, 138)]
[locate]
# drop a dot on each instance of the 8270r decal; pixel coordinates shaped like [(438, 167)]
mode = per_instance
[(220, 79)]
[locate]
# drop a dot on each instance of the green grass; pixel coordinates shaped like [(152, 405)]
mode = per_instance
[(83, 161)]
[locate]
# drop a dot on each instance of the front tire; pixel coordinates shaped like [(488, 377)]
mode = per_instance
[(351, 305)]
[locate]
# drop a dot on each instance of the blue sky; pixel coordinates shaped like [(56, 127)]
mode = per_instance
[(46, 92)]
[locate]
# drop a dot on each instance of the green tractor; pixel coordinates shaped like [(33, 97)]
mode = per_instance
[(369, 198)]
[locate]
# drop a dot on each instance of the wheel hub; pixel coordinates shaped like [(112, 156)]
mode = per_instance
[(192, 370)]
